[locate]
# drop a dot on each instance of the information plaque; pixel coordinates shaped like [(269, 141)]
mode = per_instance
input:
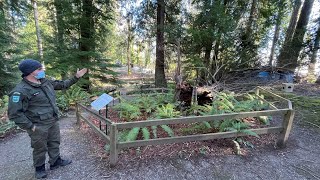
[(101, 101)]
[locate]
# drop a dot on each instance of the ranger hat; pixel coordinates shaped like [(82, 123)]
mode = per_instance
[(27, 66)]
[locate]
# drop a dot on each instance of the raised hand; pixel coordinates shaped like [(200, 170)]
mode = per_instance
[(81, 72)]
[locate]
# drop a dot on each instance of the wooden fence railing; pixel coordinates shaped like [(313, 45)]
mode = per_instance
[(111, 129)]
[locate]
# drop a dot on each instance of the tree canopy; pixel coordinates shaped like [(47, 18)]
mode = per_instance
[(205, 40)]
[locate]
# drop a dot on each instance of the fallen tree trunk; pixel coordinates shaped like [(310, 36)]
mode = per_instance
[(203, 95)]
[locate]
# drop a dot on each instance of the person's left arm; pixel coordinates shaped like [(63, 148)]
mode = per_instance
[(65, 84)]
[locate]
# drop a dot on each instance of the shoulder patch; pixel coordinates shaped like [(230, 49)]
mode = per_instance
[(15, 97)]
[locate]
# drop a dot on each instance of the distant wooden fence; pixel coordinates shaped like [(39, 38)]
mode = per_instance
[(110, 135)]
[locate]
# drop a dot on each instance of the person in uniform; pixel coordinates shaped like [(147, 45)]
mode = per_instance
[(32, 106)]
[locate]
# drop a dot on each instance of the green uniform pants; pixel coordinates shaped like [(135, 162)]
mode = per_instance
[(46, 138)]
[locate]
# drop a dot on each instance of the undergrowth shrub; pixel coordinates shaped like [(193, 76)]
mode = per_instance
[(146, 103), (68, 98), (128, 111)]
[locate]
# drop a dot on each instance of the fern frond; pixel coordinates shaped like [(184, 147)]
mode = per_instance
[(154, 131), (145, 133), (230, 129), (226, 124), (216, 124), (207, 124), (168, 130), (133, 134), (249, 132), (122, 135)]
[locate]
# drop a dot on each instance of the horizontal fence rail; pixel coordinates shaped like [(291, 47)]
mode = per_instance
[(96, 129), (194, 119), (115, 145), (258, 89), (200, 137)]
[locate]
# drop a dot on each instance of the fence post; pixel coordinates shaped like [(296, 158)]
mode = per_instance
[(113, 145), (287, 125)]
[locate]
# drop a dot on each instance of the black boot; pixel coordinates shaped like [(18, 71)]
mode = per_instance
[(60, 162), (41, 172)]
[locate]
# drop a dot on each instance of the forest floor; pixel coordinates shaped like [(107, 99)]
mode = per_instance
[(299, 160), (209, 160)]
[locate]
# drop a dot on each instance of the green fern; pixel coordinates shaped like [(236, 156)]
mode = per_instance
[(226, 124), (166, 111), (128, 111), (196, 109), (146, 103), (154, 131), (71, 97), (239, 127), (207, 125), (168, 130), (249, 132), (164, 98), (133, 134), (216, 124), (122, 135), (75, 94), (145, 133)]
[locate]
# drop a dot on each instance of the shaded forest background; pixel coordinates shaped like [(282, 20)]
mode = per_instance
[(203, 39)]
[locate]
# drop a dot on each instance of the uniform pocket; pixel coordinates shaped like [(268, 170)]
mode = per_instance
[(45, 114)]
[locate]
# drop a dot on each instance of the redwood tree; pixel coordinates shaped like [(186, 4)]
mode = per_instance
[(289, 54), (160, 78)]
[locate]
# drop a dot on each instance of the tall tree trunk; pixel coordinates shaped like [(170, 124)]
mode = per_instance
[(252, 17), (160, 79), (60, 24), (87, 42), (274, 42), (276, 30), (293, 21), (297, 40), (36, 20), (247, 47), (289, 53), (283, 58), (215, 67), (60, 46), (129, 42), (204, 71), (178, 76), (313, 60)]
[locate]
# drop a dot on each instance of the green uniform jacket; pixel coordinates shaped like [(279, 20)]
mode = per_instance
[(31, 103)]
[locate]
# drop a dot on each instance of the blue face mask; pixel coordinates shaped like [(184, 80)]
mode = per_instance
[(40, 75)]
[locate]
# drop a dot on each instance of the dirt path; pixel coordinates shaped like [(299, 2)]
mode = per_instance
[(300, 160)]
